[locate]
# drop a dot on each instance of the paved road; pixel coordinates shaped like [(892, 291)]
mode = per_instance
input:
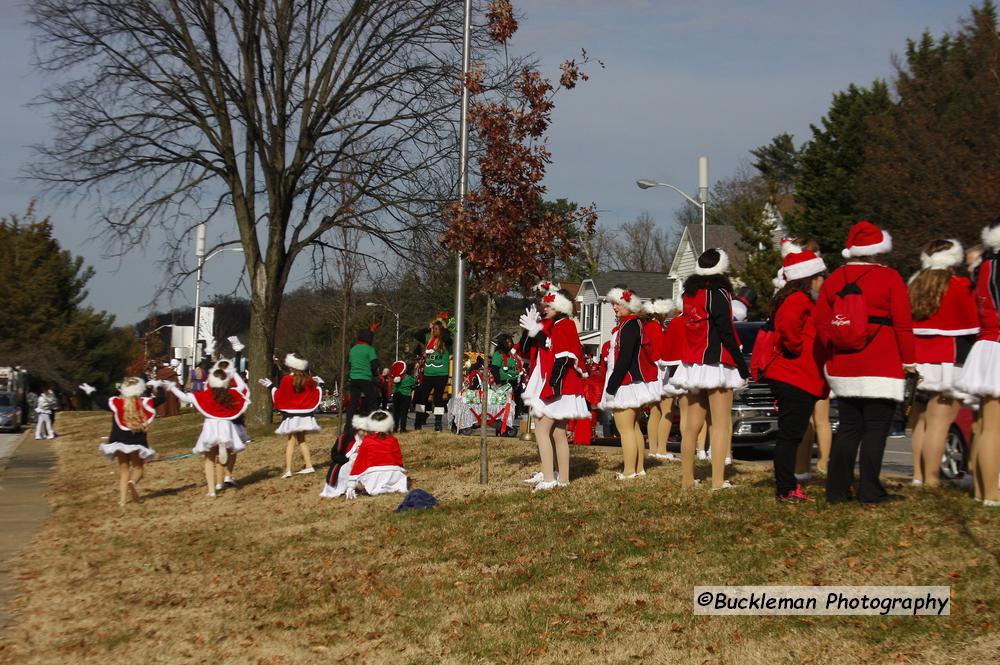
[(897, 461), (25, 466)]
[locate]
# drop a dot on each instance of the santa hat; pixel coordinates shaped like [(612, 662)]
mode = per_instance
[(217, 381), (132, 386), (295, 362), (361, 423), (558, 302), (951, 257), (546, 286), (660, 306), (801, 265), (866, 239), (720, 266), (779, 280), (381, 424), (789, 246), (991, 235), (625, 298)]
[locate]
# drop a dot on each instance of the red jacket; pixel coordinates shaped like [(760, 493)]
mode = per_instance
[(955, 317), (800, 357), (652, 339), (287, 400), (988, 299), (876, 371), (672, 342), (560, 359), (629, 363), (710, 335)]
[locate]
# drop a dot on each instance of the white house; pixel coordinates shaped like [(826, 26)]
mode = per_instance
[(689, 248), (595, 318)]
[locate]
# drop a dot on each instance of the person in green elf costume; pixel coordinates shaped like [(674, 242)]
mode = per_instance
[(435, 355), (506, 367)]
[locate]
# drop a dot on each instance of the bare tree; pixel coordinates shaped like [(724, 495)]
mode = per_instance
[(291, 117), (642, 245)]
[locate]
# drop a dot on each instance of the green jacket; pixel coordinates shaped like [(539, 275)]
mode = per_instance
[(508, 367), (405, 386)]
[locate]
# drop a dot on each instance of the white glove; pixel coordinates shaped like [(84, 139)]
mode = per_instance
[(352, 492), (319, 380), (87, 388), (209, 346), (235, 342), (396, 380), (530, 321), (267, 383)]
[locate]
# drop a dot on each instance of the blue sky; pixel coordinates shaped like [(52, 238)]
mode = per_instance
[(681, 79)]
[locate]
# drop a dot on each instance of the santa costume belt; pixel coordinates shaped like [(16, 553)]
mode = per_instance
[(880, 320)]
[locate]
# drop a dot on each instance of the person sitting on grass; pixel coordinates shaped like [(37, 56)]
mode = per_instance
[(378, 467), (342, 456)]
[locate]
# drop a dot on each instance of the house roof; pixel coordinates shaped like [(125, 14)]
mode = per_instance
[(645, 284), (723, 236)]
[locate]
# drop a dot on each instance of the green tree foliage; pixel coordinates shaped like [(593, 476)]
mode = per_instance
[(779, 163), (931, 163), (44, 327), (826, 194)]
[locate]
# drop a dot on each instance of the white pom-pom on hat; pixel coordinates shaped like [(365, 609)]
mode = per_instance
[(295, 362), (779, 280), (218, 382), (721, 266), (132, 386), (558, 302), (946, 258), (661, 306), (380, 424), (991, 236), (626, 298), (866, 239)]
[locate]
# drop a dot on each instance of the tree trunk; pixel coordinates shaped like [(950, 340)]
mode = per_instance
[(264, 308), (484, 455)]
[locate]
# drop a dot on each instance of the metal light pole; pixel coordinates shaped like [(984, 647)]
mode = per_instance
[(199, 252), (463, 185), (394, 313), (702, 200)]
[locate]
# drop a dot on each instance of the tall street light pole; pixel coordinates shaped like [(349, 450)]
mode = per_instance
[(463, 186), (702, 200), (394, 313), (199, 252)]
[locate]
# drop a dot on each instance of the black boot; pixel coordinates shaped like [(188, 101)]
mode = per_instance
[(419, 420), (437, 423)]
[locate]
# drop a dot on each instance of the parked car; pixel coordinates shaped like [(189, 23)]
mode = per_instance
[(10, 413), (955, 461)]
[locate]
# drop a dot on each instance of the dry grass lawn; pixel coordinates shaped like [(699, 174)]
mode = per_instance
[(600, 572)]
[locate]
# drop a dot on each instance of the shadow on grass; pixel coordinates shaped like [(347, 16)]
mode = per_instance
[(170, 491), (579, 467)]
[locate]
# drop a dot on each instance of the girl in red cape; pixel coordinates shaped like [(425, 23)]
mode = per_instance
[(131, 416), (378, 467), (220, 404), (297, 397)]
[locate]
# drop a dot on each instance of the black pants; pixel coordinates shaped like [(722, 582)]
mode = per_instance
[(795, 407), (400, 410), (364, 396), (864, 422), (431, 385)]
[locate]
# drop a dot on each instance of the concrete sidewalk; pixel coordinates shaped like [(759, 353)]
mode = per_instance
[(23, 507)]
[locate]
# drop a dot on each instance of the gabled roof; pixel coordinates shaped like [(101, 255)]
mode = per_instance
[(644, 284), (723, 236)]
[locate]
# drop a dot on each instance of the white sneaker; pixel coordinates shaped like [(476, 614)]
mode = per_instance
[(286, 474), (622, 476), (228, 480), (726, 485), (702, 455), (916, 482), (307, 471), (803, 476), (535, 479), (670, 457), (729, 460), (210, 495), (546, 485), (991, 503), (640, 474), (218, 487)]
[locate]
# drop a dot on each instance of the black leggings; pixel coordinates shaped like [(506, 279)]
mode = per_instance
[(795, 407), (430, 385), (864, 422), (400, 410)]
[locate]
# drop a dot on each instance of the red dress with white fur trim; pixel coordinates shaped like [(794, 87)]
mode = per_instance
[(981, 373), (297, 407), (937, 338), (556, 386), (124, 440), (712, 358), (378, 468), (631, 375), (876, 371)]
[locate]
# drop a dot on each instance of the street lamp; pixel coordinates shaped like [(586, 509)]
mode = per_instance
[(702, 192), (396, 314), (199, 252)]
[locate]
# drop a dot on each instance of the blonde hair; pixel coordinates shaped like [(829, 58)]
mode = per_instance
[(135, 416)]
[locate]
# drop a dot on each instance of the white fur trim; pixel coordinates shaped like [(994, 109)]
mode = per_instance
[(361, 423), (216, 382), (779, 279), (134, 390), (662, 306), (991, 237), (789, 247), (547, 286), (719, 268), (739, 310), (946, 333), (438, 410), (380, 425), (615, 296), (883, 247), (231, 369), (946, 258), (560, 303), (293, 361), (809, 268), (876, 387)]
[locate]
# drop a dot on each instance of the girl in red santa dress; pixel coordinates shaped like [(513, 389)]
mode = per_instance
[(945, 323), (867, 362), (981, 373), (131, 415), (666, 355), (220, 404), (378, 466), (226, 471), (712, 364), (297, 396), (555, 389), (631, 381)]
